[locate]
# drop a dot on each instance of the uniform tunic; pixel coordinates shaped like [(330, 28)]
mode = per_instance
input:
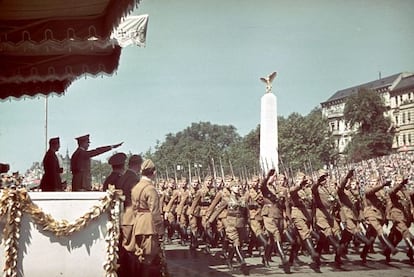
[(146, 220)]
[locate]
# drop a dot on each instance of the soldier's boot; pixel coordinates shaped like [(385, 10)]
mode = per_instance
[(320, 244), (240, 258), (312, 252), (389, 247), (252, 244), (285, 262), (183, 236), (410, 251), (364, 253), (294, 250), (262, 238), (193, 241), (334, 242), (225, 248), (229, 257), (362, 238)]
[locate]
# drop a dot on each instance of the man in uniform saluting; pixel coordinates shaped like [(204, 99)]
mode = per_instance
[(80, 163)]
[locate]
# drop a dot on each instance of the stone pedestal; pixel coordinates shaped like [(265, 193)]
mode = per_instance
[(41, 253)]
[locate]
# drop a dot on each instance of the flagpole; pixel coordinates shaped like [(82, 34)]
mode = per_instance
[(46, 112)]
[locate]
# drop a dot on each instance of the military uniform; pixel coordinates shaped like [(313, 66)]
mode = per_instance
[(236, 223), (193, 213), (168, 208), (254, 200), (145, 217), (374, 215), (301, 200), (350, 203), (117, 161), (80, 163), (275, 202), (182, 206), (400, 213), (325, 200), (51, 180)]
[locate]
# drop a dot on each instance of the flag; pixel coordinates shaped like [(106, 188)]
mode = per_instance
[(132, 30)]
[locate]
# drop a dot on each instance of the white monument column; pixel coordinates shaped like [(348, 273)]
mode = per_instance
[(268, 128)]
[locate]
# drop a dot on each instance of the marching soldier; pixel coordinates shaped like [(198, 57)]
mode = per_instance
[(302, 210), (275, 202), (254, 200), (350, 202), (182, 217), (193, 213), (400, 214), (216, 215), (236, 224), (375, 215), (170, 210), (198, 208), (325, 200)]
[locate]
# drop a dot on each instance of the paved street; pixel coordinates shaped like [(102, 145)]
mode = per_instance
[(183, 263)]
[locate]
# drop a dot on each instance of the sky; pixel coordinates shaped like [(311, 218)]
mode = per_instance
[(202, 63)]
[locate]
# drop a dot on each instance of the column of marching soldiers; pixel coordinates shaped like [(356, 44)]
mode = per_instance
[(306, 214)]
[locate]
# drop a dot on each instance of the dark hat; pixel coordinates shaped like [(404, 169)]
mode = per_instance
[(147, 164), (54, 140), (83, 138), (117, 159), (135, 159)]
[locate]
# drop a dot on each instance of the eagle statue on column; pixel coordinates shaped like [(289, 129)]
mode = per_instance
[(268, 81)]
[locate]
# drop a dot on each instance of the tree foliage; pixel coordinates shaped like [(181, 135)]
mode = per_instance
[(305, 143), (200, 145), (364, 111)]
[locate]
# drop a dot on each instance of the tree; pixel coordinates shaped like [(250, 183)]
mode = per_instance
[(364, 112), (203, 144), (305, 142)]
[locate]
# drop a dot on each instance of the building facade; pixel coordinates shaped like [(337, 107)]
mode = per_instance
[(398, 93)]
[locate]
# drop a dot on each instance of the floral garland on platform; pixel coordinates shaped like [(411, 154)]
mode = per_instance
[(15, 201)]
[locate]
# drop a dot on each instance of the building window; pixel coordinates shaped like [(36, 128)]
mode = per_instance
[(332, 126), (404, 142), (401, 98), (396, 119), (409, 139), (403, 118), (409, 117)]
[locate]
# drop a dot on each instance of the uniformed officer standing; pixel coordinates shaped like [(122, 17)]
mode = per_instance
[(130, 178), (51, 180), (148, 227), (117, 161), (80, 163), (125, 183)]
